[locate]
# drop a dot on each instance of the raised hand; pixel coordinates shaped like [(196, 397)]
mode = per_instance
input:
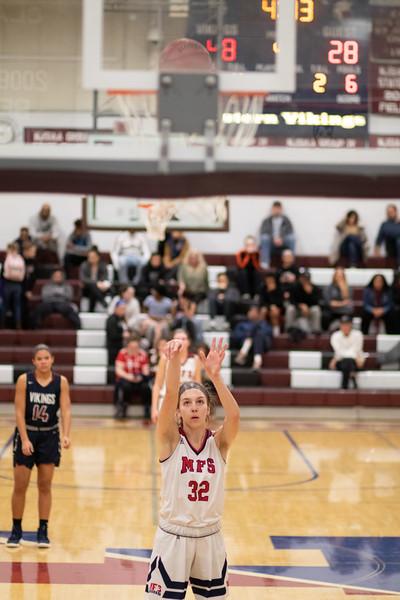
[(214, 359), (172, 348)]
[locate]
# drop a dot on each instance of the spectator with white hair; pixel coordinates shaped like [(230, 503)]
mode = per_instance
[(45, 230)]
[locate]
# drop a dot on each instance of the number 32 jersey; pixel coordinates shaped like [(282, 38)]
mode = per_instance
[(42, 403), (192, 487)]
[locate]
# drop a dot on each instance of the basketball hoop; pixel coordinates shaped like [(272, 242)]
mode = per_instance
[(241, 117), (157, 216), (138, 110)]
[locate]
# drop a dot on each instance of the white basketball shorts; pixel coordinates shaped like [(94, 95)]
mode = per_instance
[(177, 560)]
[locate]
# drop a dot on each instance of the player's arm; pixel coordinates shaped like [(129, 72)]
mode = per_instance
[(157, 385), (212, 365), (20, 402), (120, 371), (65, 407), (167, 429)]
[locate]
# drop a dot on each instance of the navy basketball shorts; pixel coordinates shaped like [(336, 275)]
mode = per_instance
[(46, 448), (177, 561)]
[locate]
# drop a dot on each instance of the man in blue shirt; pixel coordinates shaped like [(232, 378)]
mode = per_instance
[(389, 234)]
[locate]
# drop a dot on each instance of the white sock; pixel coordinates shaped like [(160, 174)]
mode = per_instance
[(246, 346)]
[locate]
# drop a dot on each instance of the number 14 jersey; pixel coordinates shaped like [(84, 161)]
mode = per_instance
[(42, 403), (192, 495)]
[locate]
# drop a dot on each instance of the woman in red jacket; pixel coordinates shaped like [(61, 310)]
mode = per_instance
[(248, 268)]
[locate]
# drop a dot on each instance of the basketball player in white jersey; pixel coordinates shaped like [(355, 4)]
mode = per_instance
[(189, 546), (190, 371)]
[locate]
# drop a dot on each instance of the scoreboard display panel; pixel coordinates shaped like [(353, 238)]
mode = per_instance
[(333, 38)]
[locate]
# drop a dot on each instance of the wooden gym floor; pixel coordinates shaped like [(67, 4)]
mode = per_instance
[(311, 513)]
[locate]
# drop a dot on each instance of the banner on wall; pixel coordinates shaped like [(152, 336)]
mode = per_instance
[(57, 135)]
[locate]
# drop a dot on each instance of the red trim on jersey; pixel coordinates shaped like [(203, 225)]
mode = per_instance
[(203, 445)]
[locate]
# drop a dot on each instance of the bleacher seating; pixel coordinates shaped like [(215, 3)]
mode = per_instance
[(291, 374)]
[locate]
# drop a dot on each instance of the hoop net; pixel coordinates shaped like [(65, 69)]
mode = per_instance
[(241, 115), (208, 212), (157, 216), (138, 112)]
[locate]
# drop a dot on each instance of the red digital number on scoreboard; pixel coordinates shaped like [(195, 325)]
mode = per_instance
[(229, 47), (343, 52)]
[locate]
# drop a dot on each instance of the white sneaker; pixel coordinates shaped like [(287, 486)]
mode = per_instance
[(240, 359), (257, 361)]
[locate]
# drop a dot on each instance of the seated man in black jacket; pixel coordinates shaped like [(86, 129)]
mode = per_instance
[(304, 311), (116, 331)]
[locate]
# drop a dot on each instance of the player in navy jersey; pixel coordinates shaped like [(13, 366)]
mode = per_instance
[(39, 395), (189, 546)]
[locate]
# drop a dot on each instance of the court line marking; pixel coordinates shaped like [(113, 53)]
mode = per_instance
[(301, 453), (154, 489), (316, 583), (389, 442), (6, 446), (244, 572)]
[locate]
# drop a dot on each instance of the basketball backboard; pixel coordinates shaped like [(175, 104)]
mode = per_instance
[(326, 75), (241, 37)]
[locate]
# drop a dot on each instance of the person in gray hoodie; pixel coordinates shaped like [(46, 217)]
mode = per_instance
[(56, 297), (276, 234)]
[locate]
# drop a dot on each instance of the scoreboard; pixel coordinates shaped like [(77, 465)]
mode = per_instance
[(333, 38)]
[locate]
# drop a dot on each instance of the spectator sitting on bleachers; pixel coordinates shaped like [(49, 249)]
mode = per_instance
[(389, 235), (276, 234), (13, 287), (223, 299), (377, 305), (193, 276), (29, 253), (94, 277), (130, 249), (116, 331), (24, 237), (158, 307), (395, 289), (56, 297), (303, 314), (79, 243), (248, 268), (132, 310), (350, 244), (287, 274), (174, 249), (132, 371), (337, 300), (184, 312), (153, 273), (252, 333), (271, 302), (347, 344), (45, 232)]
